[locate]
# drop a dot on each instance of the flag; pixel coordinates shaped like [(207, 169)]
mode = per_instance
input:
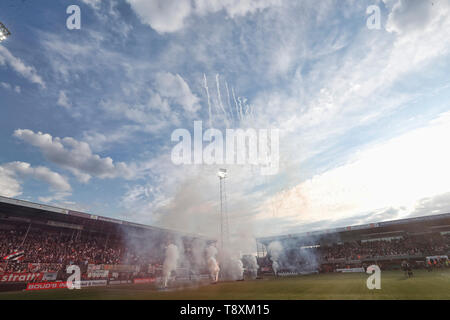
[(15, 256)]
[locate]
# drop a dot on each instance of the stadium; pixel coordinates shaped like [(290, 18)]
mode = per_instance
[(123, 260), (226, 150)]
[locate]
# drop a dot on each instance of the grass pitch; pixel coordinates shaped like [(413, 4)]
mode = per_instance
[(394, 285)]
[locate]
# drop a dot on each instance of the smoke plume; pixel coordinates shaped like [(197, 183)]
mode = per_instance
[(275, 250), (231, 265), (252, 266), (213, 266), (170, 262)]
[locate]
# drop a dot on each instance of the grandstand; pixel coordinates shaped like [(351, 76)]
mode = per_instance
[(354, 247), (42, 240), (38, 242)]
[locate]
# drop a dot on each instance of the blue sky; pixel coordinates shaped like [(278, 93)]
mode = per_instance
[(363, 114)]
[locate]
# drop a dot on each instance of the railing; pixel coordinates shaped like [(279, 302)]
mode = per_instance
[(373, 258)]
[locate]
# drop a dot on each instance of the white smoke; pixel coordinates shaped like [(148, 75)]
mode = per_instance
[(213, 266), (205, 83), (198, 256), (245, 112), (293, 256), (231, 265), (237, 269), (275, 267), (252, 266), (275, 250), (170, 262)]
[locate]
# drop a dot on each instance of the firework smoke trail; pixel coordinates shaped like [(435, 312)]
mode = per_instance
[(251, 112), (243, 111), (170, 262), (209, 99), (246, 112), (236, 105), (240, 108), (248, 109), (219, 98), (229, 101)]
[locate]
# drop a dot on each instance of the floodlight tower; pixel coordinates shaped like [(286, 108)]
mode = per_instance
[(224, 228), (4, 32)]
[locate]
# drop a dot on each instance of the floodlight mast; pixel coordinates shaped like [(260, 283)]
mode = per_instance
[(4, 32), (224, 231)]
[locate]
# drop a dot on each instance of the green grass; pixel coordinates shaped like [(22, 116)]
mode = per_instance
[(424, 285)]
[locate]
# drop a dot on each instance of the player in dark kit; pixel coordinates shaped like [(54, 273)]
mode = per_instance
[(407, 269), (403, 266)]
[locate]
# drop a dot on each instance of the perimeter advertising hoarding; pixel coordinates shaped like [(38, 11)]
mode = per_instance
[(46, 286), (21, 277)]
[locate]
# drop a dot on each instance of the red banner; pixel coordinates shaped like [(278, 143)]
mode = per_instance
[(144, 280), (21, 277), (46, 286)]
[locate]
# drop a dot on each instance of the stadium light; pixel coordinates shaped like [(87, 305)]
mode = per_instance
[(222, 174), (4, 32)]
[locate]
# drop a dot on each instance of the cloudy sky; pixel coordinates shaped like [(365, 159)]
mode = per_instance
[(363, 114)]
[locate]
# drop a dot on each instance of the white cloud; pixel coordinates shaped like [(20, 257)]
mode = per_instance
[(432, 205), (336, 78), (5, 85), (335, 91), (75, 156), (161, 106), (100, 141), (411, 15), (57, 199), (9, 186), (54, 179), (162, 15), (93, 3), (8, 86), (150, 117), (234, 8), (176, 89), (20, 67), (170, 15), (63, 101), (344, 90), (397, 173), (12, 173)]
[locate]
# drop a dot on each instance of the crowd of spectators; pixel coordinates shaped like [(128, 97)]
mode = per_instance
[(52, 249), (45, 250), (413, 246), (354, 253)]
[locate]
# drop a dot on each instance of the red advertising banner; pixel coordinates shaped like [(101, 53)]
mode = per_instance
[(21, 277), (46, 286), (144, 280)]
